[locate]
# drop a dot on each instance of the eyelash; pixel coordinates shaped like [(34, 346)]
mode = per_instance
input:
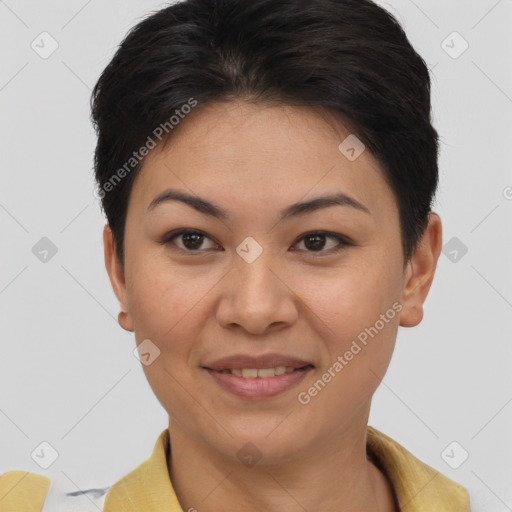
[(343, 242)]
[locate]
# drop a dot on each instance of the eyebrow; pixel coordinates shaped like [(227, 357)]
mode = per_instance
[(207, 208)]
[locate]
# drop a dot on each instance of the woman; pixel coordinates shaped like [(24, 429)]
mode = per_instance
[(267, 169)]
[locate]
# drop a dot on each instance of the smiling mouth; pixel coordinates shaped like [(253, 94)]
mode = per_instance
[(261, 373)]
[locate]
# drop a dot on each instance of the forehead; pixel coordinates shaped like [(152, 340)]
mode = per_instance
[(242, 153)]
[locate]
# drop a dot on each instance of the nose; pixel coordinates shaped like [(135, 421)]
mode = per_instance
[(256, 297)]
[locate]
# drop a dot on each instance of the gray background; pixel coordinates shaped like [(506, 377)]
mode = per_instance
[(68, 375)]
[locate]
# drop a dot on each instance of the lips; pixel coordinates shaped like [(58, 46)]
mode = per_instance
[(245, 361), (251, 387)]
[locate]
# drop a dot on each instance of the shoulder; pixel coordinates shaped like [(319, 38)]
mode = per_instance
[(415, 483), (30, 492), (22, 490)]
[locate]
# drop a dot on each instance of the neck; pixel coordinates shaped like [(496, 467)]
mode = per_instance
[(332, 475)]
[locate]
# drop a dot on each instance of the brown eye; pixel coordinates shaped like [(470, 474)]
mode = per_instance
[(193, 241), (190, 241), (317, 241)]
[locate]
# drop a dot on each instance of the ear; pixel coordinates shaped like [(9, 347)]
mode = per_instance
[(117, 279), (420, 272)]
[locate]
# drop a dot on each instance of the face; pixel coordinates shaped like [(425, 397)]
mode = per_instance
[(247, 272)]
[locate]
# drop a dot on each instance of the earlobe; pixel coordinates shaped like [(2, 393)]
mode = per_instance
[(125, 321), (420, 272), (117, 278)]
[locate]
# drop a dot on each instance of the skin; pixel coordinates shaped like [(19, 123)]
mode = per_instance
[(253, 161)]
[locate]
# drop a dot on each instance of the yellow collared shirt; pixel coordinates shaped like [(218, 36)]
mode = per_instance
[(148, 488)]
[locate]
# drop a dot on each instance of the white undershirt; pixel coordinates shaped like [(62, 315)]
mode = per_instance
[(61, 497)]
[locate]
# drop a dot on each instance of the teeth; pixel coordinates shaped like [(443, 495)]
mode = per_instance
[(265, 372), (252, 373)]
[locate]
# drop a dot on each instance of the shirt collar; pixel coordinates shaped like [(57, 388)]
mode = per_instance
[(418, 487), (147, 487)]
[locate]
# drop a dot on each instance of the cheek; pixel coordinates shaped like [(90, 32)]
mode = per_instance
[(162, 296), (167, 306), (170, 306), (349, 299), (359, 322), (357, 310)]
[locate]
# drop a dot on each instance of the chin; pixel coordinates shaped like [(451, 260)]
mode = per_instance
[(262, 451), (268, 444)]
